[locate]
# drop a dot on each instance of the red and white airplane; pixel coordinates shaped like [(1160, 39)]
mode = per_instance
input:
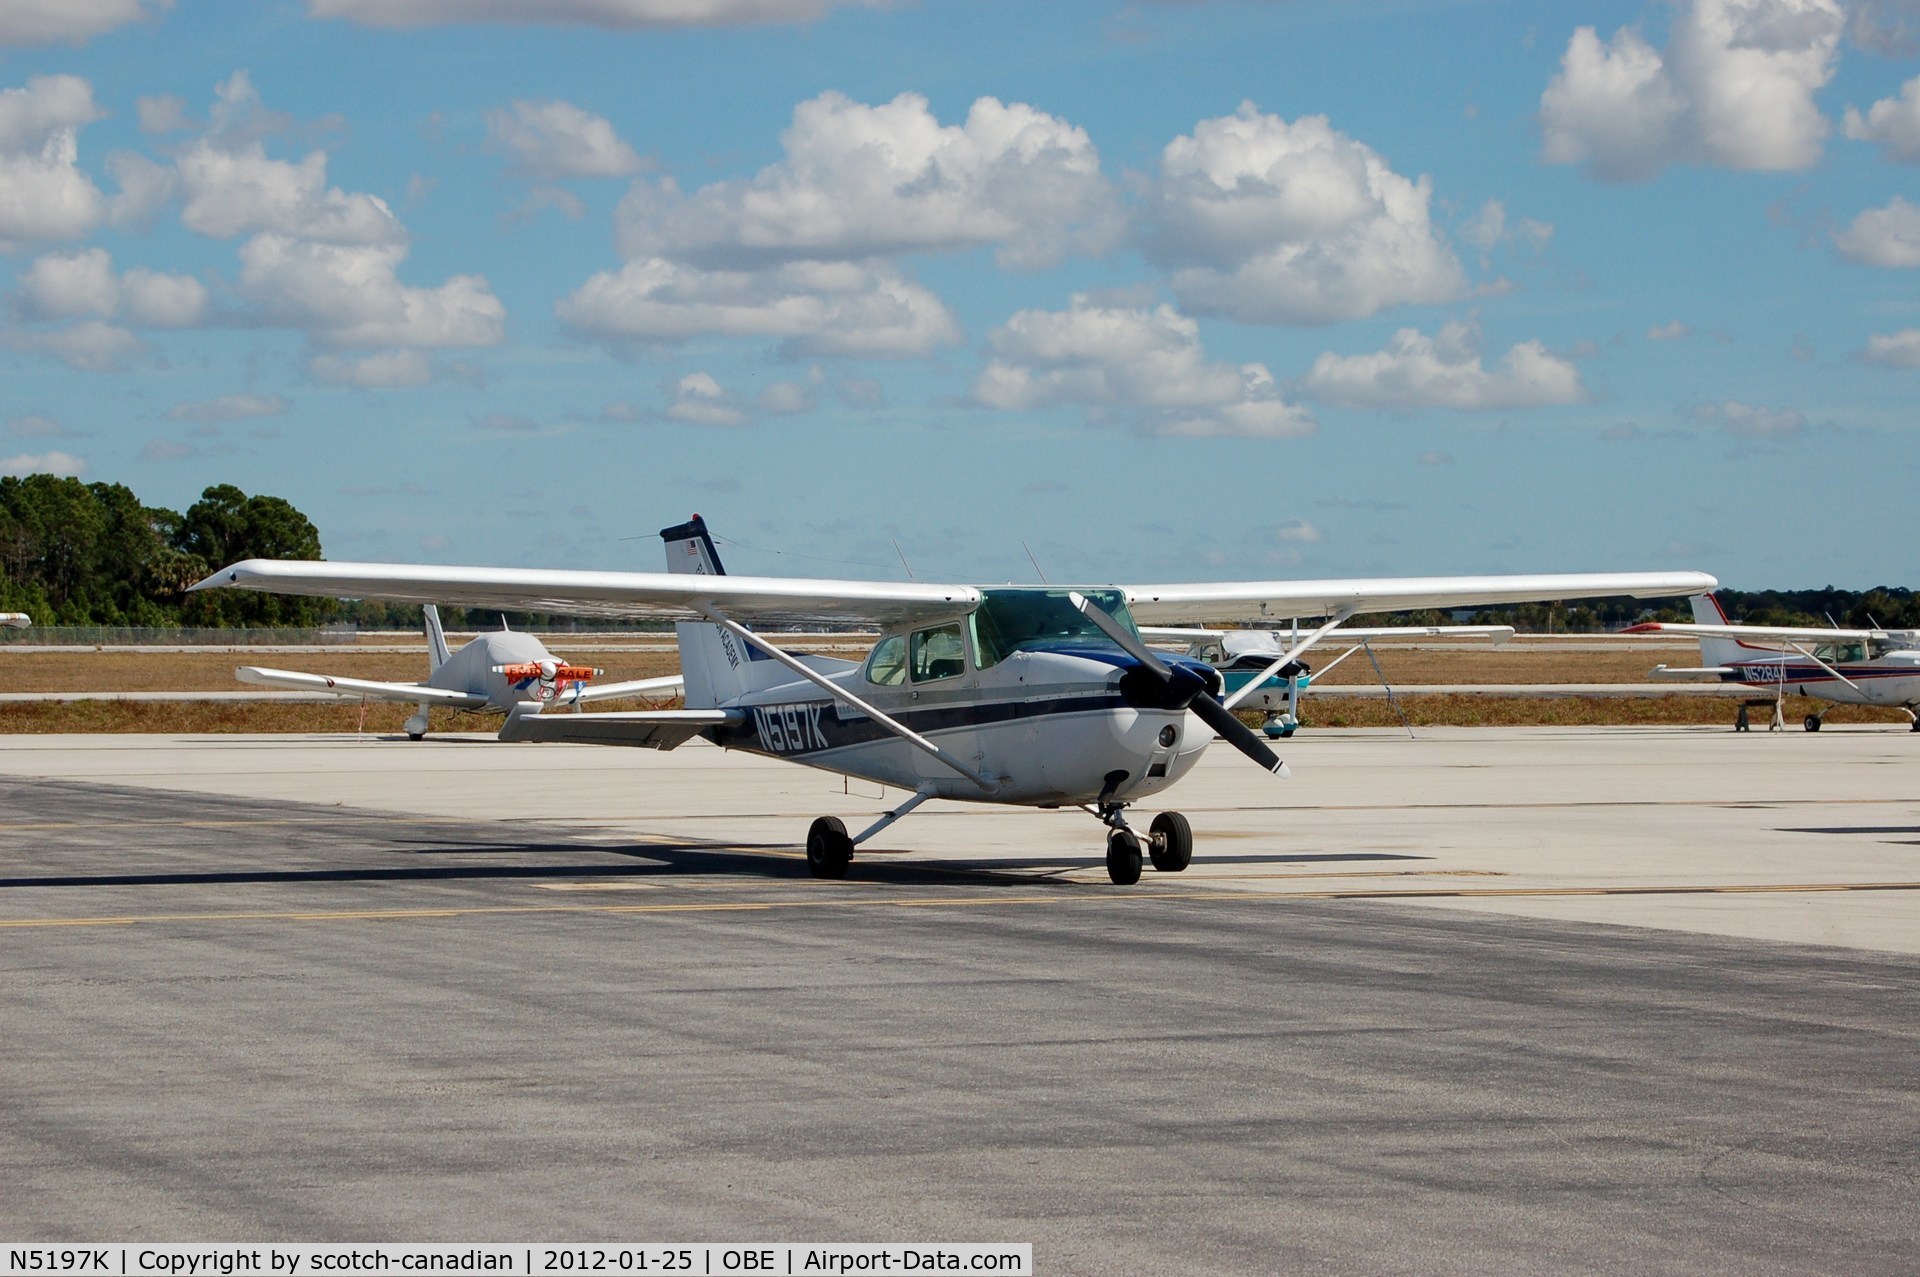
[(1846, 667), (501, 670)]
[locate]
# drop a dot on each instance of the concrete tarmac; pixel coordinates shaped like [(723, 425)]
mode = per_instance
[(328, 988)]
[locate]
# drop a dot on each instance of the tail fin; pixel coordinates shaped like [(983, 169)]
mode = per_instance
[(437, 651), (711, 660), (1714, 651)]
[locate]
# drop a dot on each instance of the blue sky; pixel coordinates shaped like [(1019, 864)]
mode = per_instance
[(1209, 289)]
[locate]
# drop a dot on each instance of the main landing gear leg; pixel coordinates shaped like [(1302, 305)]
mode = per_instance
[(1913, 716)]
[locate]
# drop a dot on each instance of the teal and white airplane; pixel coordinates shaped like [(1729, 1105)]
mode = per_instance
[(1263, 669), (1030, 696)]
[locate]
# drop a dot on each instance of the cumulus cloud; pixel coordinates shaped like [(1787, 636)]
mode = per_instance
[(1444, 371), (80, 284), (1673, 330), (44, 21), (784, 398), (558, 139), (385, 370), (1271, 222), (612, 14), (1735, 87), (814, 308), (349, 295), (1894, 350), (1147, 366), (1489, 229), (240, 407), (1298, 532), (1886, 27), (90, 346), (62, 464), (1887, 236), (1892, 124), (35, 426), (231, 186), (699, 400), (863, 181), (43, 194), (1750, 422), (162, 113)]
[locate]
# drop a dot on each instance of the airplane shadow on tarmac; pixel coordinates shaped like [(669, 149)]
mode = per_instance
[(73, 823)]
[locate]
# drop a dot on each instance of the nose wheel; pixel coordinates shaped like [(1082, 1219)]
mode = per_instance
[(1123, 857), (1170, 842), (1169, 845)]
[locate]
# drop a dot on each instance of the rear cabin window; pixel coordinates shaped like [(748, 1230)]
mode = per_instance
[(887, 665), (938, 653)]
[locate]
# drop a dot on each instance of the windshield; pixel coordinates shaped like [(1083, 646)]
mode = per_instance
[(1012, 619)]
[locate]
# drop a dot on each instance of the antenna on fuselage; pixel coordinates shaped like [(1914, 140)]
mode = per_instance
[(903, 558), (1036, 564)]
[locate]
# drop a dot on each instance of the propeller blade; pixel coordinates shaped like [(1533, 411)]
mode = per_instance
[(1128, 641), (1238, 734)]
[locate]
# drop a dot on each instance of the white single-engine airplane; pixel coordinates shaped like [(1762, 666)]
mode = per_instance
[(1262, 669), (1030, 696), (1846, 667), (18, 620), (500, 670)]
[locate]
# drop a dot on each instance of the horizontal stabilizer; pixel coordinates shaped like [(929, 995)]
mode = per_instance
[(417, 693), (670, 685), (1659, 672), (643, 729)]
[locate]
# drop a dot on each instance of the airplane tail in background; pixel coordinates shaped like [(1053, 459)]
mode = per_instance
[(715, 664), (438, 653), (1714, 651)]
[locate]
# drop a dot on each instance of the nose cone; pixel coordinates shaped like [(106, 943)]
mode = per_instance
[(548, 669)]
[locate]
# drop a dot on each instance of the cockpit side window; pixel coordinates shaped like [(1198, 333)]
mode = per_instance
[(938, 653), (887, 664)]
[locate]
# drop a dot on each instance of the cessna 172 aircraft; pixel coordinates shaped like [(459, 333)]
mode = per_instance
[(1847, 667), (1262, 669), (499, 670), (19, 620), (1031, 696)]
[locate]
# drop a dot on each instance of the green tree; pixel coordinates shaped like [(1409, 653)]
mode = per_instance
[(225, 526)]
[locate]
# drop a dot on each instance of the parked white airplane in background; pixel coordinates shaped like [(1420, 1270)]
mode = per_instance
[(1031, 696), (500, 670), (1846, 667), (1262, 669), (18, 620)]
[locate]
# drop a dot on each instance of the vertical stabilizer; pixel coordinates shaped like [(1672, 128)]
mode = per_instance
[(711, 660), (437, 651), (1715, 651)]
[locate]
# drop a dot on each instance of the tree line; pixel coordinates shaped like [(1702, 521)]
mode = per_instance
[(74, 553)]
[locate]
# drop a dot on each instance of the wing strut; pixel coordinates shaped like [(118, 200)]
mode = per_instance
[(840, 693), (1305, 643), (1823, 665)]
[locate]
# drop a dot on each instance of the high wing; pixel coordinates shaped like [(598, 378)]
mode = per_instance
[(670, 685), (1765, 633), (1498, 633), (783, 600), (673, 596), (1240, 600), (414, 693)]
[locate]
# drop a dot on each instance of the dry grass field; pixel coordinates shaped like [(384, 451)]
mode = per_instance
[(1406, 665)]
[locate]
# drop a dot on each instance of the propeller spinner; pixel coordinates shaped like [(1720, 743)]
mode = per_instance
[(1198, 698)]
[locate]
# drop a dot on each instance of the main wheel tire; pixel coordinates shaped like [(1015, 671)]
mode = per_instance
[(1811, 722), (1916, 726), (1123, 858), (1170, 842), (829, 849)]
